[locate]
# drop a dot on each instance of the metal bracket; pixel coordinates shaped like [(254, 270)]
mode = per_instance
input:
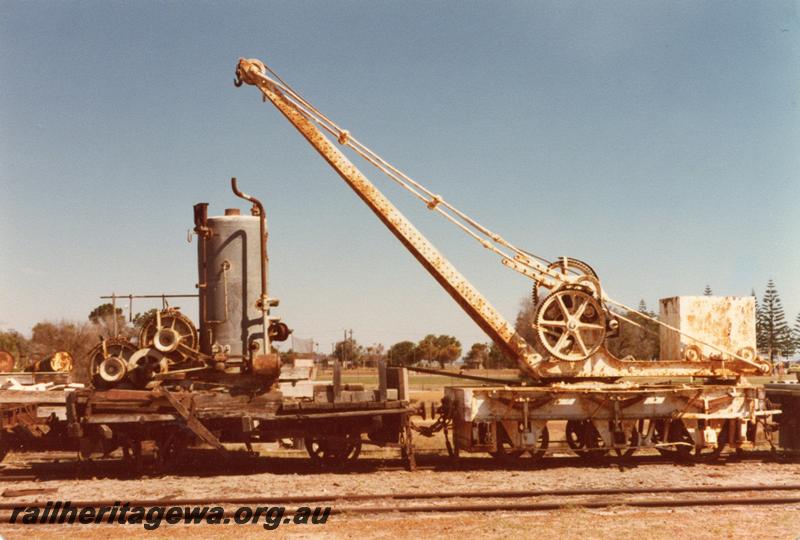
[(191, 422)]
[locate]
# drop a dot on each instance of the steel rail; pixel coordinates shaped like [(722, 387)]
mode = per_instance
[(297, 499), (558, 505), (506, 507)]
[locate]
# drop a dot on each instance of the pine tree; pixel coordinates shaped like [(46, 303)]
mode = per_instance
[(776, 337), (707, 291), (642, 306), (797, 332), (789, 341), (761, 337)]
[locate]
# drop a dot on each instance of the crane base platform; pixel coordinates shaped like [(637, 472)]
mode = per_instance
[(688, 419)]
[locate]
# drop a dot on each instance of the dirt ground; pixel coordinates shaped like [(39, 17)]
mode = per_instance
[(379, 474)]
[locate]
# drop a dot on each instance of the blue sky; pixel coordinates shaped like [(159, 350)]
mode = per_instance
[(659, 141)]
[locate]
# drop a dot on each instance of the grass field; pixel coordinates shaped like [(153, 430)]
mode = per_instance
[(418, 381)]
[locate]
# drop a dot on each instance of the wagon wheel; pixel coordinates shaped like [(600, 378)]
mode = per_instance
[(506, 453), (584, 439), (170, 448), (645, 434), (687, 452), (713, 454), (571, 324), (674, 432), (333, 451), (633, 442), (108, 361)]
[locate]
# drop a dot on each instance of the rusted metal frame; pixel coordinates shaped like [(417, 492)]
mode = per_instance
[(123, 395), (535, 403), (785, 392), (73, 419), (311, 407), (471, 301), (617, 406), (525, 406), (407, 443), (691, 402), (26, 418), (344, 414), (22, 415), (22, 397), (617, 402), (8, 414), (191, 422), (697, 396), (536, 271), (734, 416), (619, 437), (600, 401), (715, 404), (132, 418), (612, 367)]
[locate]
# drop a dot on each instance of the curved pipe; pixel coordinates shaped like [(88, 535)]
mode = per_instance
[(263, 302)]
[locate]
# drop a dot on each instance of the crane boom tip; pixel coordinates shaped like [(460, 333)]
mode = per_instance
[(247, 69)]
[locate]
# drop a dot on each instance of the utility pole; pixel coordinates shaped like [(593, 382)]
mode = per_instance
[(350, 343), (344, 349)]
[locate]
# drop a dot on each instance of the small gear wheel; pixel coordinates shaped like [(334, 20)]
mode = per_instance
[(748, 353), (564, 265), (693, 353)]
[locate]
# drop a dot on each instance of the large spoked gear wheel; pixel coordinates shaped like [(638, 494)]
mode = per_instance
[(108, 361), (175, 336), (570, 323)]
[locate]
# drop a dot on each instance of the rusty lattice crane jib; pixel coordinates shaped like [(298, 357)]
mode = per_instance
[(572, 321)]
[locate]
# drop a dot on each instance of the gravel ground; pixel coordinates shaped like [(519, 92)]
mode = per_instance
[(372, 477)]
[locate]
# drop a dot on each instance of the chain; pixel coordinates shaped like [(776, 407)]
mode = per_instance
[(431, 430)]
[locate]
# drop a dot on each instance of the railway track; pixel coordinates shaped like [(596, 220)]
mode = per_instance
[(66, 467), (488, 501), (437, 495)]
